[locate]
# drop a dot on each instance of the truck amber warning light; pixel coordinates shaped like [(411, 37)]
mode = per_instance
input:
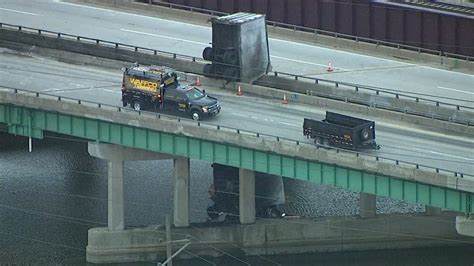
[(143, 84)]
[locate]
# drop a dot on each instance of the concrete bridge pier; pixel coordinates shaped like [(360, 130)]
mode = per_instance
[(181, 192), (367, 207), (246, 196), (465, 225), (116, 155), (115, 220)]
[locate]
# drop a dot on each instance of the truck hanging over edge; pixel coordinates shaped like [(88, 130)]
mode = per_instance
[(158, 87), (341, 131), (240, 49)]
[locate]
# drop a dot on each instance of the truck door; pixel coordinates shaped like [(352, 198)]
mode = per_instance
[(174, 100), (182, 102)]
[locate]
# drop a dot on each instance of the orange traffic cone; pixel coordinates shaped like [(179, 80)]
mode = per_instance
[(198, 82), (330, 67), (239, 91), (285, 100)]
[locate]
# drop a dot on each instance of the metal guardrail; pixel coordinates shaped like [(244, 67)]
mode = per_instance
[(321, 32), (385, 92), (89, 40), (355, 87), (439, 5), (236, 130)]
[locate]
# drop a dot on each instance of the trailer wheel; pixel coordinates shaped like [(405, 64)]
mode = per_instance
[(208, 54), (208, 70), (325, 142), (137, 105), (318, 141), (231, 73), (231, 57), (364, 134), (212, 212)]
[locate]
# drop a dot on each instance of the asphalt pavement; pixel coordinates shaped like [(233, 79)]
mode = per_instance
[(287, 56), (266, 116)]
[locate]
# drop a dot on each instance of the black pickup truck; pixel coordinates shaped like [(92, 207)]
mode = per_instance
[(341, 131), (157, 87)]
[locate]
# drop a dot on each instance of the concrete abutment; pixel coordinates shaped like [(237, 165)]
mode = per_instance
[(465, 225), (367, 208)]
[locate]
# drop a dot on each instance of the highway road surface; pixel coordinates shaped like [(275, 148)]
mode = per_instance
[(266, 116), (286, 56)]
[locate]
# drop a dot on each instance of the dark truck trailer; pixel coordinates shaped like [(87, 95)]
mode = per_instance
[(239, 49), (224, 192), (341, 131)]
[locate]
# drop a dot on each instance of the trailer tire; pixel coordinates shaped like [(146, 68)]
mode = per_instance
[(208, 70), (137, 105), (231, 58), (212, 212), (208, 54), (325, 142), (364, 134), (231, 73), (318, 141)]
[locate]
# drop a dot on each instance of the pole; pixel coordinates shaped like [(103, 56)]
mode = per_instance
[(170, 256), (168, 240)]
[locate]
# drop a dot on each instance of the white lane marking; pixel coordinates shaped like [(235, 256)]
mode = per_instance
[(288, 124), (128, 14), (17, 11), (162, 36), (306, 62), (368, 56), (266, 119), (444, 88), (206, 27), (54, 90), (112, 91), (445, 154), (77, 85), (206, 44), (237, 114)]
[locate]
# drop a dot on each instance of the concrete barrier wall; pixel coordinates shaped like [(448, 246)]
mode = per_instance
[(429, 109), (299, 87), (288, 148), (110, 52), (425, 122)]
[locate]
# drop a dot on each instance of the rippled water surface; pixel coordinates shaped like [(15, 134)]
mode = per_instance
[(50, 198)]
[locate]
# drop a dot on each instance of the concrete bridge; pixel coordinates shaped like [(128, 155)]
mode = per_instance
[(117, 135)]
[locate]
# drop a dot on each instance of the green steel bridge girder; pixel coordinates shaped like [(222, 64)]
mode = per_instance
[(31, 122)]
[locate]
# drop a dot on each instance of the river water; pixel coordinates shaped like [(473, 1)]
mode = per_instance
[(50, 198)]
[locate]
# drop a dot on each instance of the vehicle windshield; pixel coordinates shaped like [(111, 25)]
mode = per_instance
[(194, 94)]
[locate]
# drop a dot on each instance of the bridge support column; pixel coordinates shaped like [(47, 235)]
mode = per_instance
[(115, 195), (116, 155), (465, 225), (181, 192), (246, 196), (367, 207)]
